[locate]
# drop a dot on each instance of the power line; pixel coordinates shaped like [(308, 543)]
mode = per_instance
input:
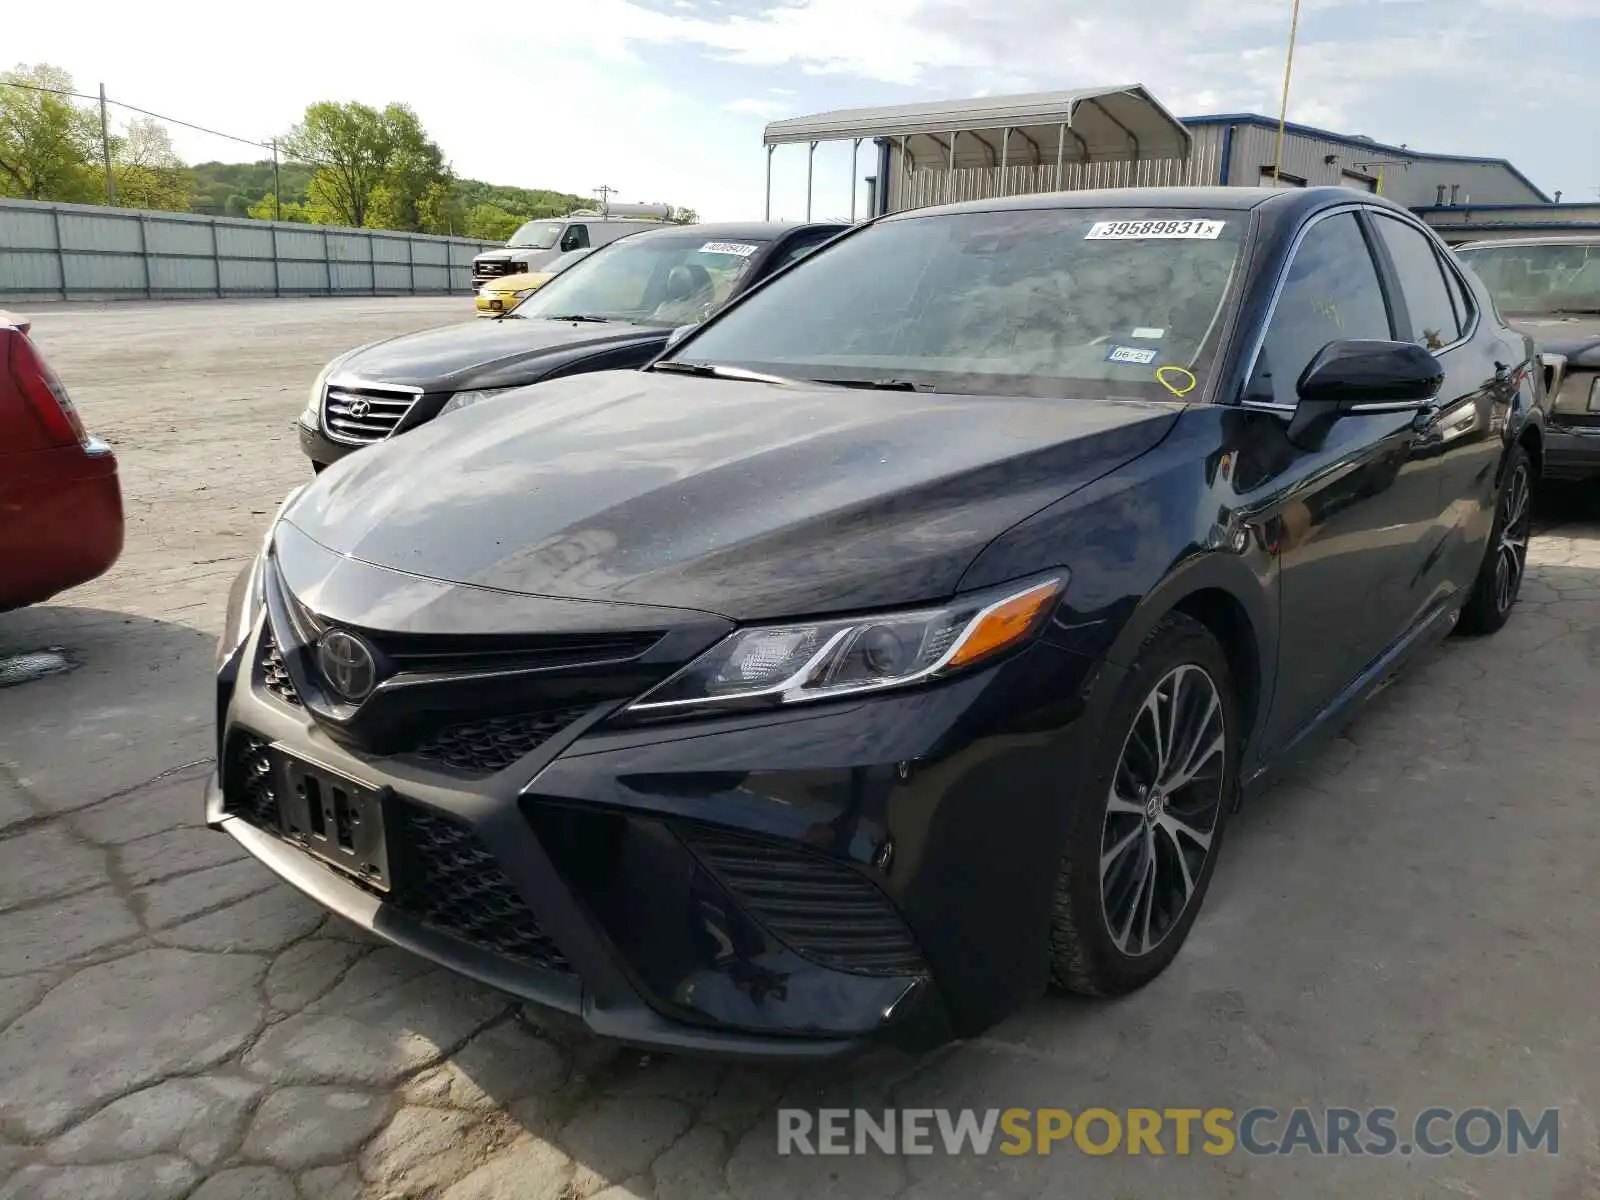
[(144, 112)]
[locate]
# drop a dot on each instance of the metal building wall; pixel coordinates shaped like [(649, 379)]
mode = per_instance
[(934, 184), (84, 252), (1248, 147), (1497, 222), (1408, 179)]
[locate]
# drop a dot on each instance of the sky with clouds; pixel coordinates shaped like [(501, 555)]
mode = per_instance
[(665, 100)]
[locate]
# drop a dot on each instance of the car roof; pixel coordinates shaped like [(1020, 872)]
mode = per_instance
[(1216, 199), (761, 231)]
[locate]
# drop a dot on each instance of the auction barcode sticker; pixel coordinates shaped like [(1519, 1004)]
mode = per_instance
[(742, 249), (1126, 231)]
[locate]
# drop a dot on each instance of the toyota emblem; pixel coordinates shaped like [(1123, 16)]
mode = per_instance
[(359, 409), (347, 665)]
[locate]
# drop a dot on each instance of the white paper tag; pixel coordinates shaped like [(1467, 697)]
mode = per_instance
[(1148, 334), (1128, 231), (1139, 355), (742, 249)]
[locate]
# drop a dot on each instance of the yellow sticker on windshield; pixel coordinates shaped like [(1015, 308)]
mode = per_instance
[(1177, 380)]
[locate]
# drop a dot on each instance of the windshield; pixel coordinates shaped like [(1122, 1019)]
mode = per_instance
[(1525, 278), (536, 235), (1029, 302), (647, 280)]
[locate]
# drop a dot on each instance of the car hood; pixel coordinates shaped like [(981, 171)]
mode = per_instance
[(482, 354), (1577, 337), (747, 500)]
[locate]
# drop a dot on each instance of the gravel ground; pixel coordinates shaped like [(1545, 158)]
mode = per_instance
[(1410, 922)]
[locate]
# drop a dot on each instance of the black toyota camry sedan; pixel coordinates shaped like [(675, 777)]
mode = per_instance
[(899, 643), (614, 310)]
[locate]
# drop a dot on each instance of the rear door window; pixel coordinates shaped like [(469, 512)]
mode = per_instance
[(1429, 308)]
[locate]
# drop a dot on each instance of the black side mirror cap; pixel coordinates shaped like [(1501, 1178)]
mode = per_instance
[(1352, 374)]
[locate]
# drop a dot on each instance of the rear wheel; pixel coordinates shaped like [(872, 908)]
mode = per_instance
[(1499, 582), (1147, 831)]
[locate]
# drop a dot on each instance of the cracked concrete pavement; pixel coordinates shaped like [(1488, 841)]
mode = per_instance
[(1409, 921)]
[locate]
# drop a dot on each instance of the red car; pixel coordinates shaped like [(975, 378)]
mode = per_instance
[(60, 504)]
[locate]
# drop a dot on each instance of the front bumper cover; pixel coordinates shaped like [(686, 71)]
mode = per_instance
[(648, 857)]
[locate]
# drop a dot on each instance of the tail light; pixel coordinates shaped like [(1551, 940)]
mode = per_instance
[(42, 391)]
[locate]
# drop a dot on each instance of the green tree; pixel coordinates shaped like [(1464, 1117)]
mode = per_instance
[(371, 165), (684, 216), (438, 210), (147, 171), (491, 224), (47, 143), (269, 209)]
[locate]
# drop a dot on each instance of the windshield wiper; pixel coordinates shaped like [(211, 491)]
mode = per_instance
[(880, 385), (713, 371), (586, 317)]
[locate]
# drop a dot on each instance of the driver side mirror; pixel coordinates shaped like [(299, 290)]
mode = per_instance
[(678, 334), (1354, 376)]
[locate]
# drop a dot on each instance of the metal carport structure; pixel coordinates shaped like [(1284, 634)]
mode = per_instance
[(1124, 123)]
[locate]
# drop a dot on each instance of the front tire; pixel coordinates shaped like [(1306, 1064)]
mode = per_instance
[(1149, 826), (1505, 562)]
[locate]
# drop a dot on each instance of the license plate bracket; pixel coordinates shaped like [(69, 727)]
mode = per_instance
[(334, 818)]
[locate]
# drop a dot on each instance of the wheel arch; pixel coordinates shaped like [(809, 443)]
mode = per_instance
[(1227, 594)]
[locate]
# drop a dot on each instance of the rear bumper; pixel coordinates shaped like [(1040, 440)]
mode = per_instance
[(61, 521), (648, 858), (1571, 451)]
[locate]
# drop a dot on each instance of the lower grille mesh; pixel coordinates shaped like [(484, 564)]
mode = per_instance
[(454, 884), (493, 744), (274, 675), (247, 783), (444, 876), (820, 908)]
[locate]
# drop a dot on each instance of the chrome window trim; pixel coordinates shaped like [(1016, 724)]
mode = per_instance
[(1283, 278)]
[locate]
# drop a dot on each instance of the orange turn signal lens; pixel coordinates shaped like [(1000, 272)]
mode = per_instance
[(1005, 623)]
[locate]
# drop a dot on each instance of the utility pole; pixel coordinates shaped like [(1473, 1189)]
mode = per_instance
[(605, 193), (1283, 107), (105, 150), (277, 192)]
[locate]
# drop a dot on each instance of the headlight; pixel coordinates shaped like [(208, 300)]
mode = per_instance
[(463, 399), (248, 596), (790, 664), (311, 415)]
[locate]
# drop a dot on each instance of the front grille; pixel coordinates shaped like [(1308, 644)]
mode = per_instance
[(452, 883), (820, 908), (364, 414), (247, 783), (432, 653), (274, 675), (493, 268), (444, 876), (494, 743)]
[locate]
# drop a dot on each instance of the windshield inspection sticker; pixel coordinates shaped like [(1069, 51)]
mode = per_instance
[(1138, 355), (1129, 231), (1148, 333), (742, 249)]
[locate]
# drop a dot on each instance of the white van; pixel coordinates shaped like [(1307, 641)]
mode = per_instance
[(538, 242)]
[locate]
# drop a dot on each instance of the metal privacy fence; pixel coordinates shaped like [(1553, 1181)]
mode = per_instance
[(83, 252)]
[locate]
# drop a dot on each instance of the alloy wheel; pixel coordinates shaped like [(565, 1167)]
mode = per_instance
[(1163, 810), (1511, 554)]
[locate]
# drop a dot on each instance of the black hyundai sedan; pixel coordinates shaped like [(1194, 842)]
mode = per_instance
[(898, 644), (615, 309)]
